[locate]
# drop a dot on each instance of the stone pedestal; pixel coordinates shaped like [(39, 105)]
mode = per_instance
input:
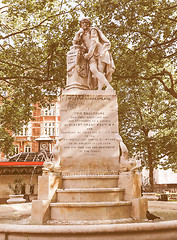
[(16, 199), (47, 186), (131, 182), (89, 123), (93, 190), (139, 208)]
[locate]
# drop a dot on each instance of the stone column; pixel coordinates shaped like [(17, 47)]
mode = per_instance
[(47, 186), (131, 182)]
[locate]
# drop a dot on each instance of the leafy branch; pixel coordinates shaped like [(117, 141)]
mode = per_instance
[(159, 77), (38, 25)]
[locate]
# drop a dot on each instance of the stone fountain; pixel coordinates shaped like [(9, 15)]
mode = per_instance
[(91, 180)]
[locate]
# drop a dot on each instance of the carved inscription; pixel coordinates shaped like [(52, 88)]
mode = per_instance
[(75, 59), (71, 61), (87, 132)]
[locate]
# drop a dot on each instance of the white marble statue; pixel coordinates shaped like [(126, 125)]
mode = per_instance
[(56, 156), (97, 46), (54, 164), (126, 164)]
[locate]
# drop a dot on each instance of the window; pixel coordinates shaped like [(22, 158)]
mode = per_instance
[(49, 129), (49, 110), (24, 131), (23, 189), (16, 149), (31, 189), (27, 148)]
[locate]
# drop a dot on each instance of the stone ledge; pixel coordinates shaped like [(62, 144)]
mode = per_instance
[(90, 222), (88, 92), (83, 190), (91, 204), (88, 176), (151, 196), (112, 228)]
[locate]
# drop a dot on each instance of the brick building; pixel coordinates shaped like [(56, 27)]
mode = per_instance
[(46, 123), (39, 136)]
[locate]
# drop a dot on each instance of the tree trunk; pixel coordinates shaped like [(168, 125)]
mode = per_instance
[(151, 175)]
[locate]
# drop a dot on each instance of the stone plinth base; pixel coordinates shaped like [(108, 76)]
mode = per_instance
[(139, 208), (151, 196), (130, 181), (16, 199), (47, 186), (40, 211)]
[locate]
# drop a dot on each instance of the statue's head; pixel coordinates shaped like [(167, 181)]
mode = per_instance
[(85, 20)]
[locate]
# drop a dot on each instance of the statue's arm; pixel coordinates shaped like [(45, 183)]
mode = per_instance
[(78, 37), (94, 41)]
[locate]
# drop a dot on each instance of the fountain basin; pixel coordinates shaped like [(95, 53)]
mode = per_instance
[(133, 231)]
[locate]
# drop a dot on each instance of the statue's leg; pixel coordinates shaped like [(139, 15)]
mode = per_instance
[(99, 75), (101, 68)]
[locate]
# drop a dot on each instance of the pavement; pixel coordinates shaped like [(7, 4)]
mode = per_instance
[(21, 213), (15, 213), (166, 210), (167, 205)]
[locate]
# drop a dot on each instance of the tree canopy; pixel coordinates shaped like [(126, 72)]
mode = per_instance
[(144, 39), (34, 39), (148, 124), (144, 36)]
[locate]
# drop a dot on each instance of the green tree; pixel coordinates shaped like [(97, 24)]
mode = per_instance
[(144, 38), (34, 39), (144, 42), (148, 124)]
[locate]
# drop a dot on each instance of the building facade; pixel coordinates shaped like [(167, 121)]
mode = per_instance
[(38, 136), (45, 123)]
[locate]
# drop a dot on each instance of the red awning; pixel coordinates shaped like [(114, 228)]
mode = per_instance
[(21, 163)]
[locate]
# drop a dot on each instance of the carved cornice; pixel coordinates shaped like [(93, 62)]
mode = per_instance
[(20, 170)]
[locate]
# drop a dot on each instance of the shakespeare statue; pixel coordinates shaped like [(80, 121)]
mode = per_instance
[(94, 59)]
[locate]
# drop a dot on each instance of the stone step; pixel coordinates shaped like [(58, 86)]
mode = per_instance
[(90, 195), (89, 222), (86, 211), (90, 181)]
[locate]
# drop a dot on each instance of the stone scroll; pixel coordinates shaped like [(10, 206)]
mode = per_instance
[(77, 70)]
